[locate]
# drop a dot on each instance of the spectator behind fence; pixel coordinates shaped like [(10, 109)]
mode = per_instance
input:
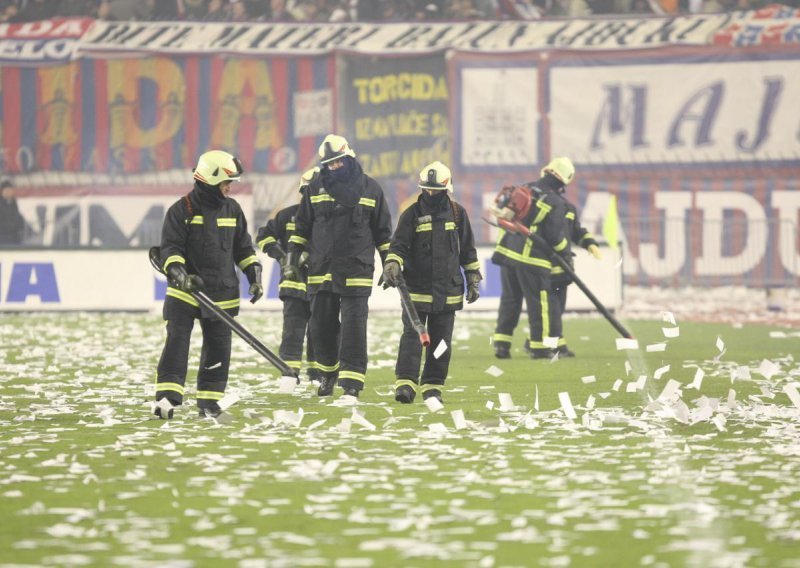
[(12, 224)]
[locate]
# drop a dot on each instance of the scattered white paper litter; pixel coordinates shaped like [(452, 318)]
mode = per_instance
[(698, 379), (440, 349), (494, 371), (588, 379), (536, 400), (550, 342), (668, 317), (458, 419), (228, 400), (671, 332), (590, 402), (506, 403), (655, 347), (358, 418), (720, 344), (489, 404), (437, 428), (433, 404), (617, 384), (768, 369), (660, 371), (625, 343), (165, 405), (791, 391), (566, 404), (287, 384)]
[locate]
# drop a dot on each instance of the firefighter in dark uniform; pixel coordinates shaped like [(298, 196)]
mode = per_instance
[(559, 280), (203, 238), (433, 241), (525, 266), (343, 217), (273, 239)]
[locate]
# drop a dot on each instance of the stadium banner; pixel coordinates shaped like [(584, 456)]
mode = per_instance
[(41, 42), (395, 116), (771, 25), (56, 280), (403, 38), (154, 113)]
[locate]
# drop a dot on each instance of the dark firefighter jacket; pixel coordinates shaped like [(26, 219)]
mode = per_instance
[(576, 234), (210, 241), (545, 218), (341, 237), (273, 239), (432, 246)]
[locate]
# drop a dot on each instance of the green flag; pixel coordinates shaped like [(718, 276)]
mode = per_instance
[(611, 223)]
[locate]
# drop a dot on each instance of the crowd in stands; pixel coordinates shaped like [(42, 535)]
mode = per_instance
[(355, 10)]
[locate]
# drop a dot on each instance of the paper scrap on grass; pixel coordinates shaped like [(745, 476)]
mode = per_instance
[(617, 384), (229, 400), (698, 379), (660, 371), (440, 349), (165, 406), (588, 379), (566, 404), (433, 404), (536, 400), (626, 343), (655, 347), (489, 404), (506, 403), (550, 342), (358, 418), (670, 390), (287, 384), (668, 317), (671, 332), (590, 402), (632, 386), (791, 391), (720, 344), (494, 371), (437, 428), (458, 419), (628, 367), (767, 368)]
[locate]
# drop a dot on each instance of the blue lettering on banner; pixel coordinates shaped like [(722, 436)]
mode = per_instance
[(33, 279)]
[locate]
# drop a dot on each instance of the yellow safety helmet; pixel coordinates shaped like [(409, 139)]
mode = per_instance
[(333, 148), (436, 176), (217, 166), (560, 168)]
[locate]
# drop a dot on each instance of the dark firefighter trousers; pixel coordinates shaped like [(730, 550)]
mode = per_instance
[(409, 356), (296, 313), (340, 346), (534, 287), (215, 358)]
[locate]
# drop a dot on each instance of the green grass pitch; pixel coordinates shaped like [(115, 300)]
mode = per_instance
[(649, 472)]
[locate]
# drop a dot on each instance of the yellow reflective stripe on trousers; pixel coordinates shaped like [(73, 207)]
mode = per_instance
[(454, 299), (426, 388), (226, 222), (183, 296), (247, 261), (297, 239), (209, 395), (502, 337), (266, 241), (293, 285), (394, 257), (422, 298), (545, 313), (327, 368), (196, 220), (172, 387), (405, 383), (358, 282), (384, 247), (293, 364), (352, 375), (473, 265), (320, 278), (174, 258), (366, 201)]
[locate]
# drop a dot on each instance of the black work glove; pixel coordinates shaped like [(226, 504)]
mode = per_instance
[(391, 274), (291, 268), (303, 259), (184, 281), (473, 285), (256, 290)]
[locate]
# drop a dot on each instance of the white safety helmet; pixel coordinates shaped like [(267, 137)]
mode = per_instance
[(217, 166), (307, 177), (436, 176), (333, 148), (560, 168)]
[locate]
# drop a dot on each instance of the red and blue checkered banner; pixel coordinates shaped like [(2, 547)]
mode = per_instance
[(158, 113)]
